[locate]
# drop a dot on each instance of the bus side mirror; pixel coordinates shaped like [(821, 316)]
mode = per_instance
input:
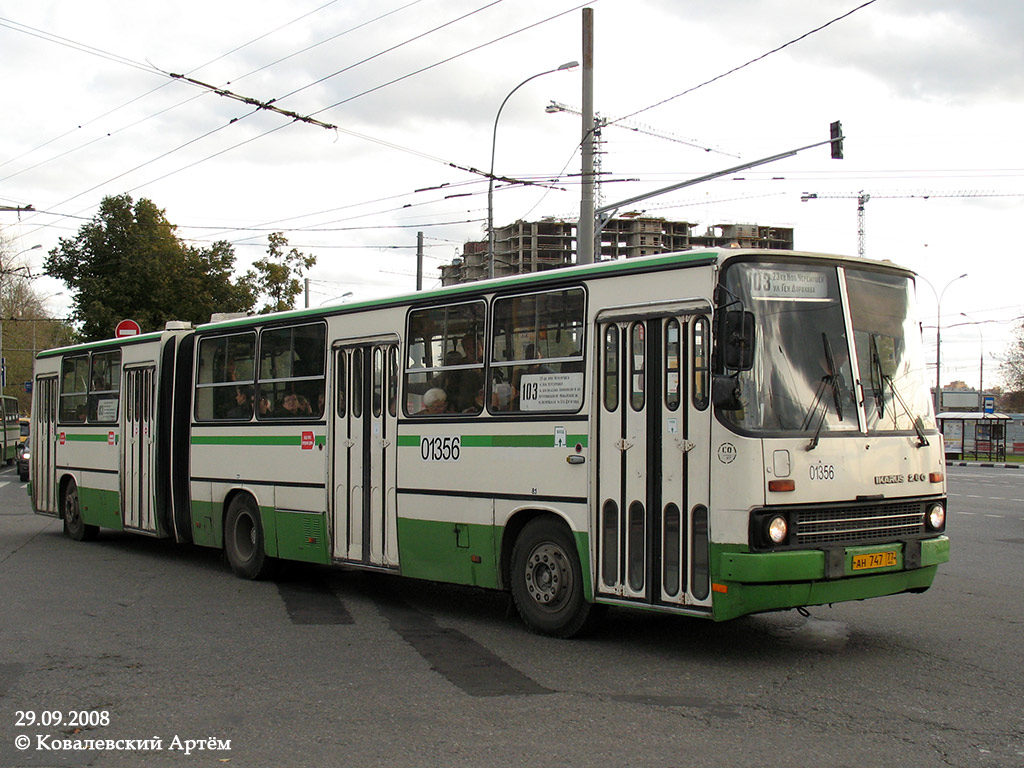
[(725, 393), (737, 341)]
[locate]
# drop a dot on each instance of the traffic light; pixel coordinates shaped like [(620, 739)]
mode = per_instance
[(836, 137)]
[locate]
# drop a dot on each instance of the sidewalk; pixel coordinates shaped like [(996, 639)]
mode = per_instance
[(957, 463)]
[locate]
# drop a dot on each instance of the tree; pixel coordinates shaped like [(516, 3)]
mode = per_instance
[(1012, 367), (26, 326), (129, 263), (278, 275)]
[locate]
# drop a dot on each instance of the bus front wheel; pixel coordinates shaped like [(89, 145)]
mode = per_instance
[(243, 540), (74, 526), (547, 581)]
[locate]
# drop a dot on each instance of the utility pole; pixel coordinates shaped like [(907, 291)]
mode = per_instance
[(585, 226), (419, 261)]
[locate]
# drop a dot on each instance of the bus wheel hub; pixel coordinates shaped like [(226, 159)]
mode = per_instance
[(547, 574)]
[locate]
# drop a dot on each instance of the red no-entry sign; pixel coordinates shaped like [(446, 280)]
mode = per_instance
[(127, 328)]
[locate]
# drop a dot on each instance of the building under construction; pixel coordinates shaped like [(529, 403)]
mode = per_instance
[(534, 246)]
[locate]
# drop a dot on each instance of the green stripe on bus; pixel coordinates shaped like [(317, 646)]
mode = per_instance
[(254, 440), (500, 441), (87, 437)]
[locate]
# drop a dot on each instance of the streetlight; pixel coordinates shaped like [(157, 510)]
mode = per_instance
[(335, 298), (5, 271), (35, 247), (938, 337), (494, 141)]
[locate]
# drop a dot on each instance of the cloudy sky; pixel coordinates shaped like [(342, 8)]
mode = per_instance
[(930, 93)]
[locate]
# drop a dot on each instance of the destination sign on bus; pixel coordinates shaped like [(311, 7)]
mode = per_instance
[(551, 391), (788, 284)]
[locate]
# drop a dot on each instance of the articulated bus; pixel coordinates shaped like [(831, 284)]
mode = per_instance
[(10, 432), (711, 433)]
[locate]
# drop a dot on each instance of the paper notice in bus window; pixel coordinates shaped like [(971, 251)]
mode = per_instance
[(788, 284), (106, 410), (550, 391)]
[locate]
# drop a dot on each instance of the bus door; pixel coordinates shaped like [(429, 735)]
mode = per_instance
[(646, 459), (43, 442), (138, 450), (364, 440)]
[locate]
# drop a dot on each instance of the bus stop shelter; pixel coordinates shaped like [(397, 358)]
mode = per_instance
[(974, 435)]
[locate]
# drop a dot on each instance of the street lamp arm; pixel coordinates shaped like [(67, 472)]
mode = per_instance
[(494, 145), (938, 338)]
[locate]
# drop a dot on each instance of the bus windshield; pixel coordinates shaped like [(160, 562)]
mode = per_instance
[(817, 369)]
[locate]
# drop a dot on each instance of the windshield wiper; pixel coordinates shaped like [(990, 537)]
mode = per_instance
[(922, 441), (886, 381), (876, 370), (830, 379)]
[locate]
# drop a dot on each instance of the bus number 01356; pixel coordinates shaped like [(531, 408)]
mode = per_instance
[(440, 448)]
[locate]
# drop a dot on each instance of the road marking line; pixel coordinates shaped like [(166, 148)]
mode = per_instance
[(993, 515)]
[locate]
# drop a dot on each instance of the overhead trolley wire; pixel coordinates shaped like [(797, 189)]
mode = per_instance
[(745, 65), (344, 101), (150, 92)]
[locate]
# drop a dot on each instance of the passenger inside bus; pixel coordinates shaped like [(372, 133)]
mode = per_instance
[(435, 401), (463, 391), (242, 409), (294, 405)]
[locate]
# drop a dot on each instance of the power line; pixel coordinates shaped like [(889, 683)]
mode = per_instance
[(452, 58), (74, 45), (273, 130), (161, 86), (744, 66), (389, 50)]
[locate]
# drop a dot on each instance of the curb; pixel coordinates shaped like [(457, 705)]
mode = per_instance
[(982, 464)]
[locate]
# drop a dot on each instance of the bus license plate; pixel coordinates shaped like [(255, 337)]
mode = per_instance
[(874, 560)]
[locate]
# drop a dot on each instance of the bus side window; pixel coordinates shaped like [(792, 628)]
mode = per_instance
[(225, 367), (393, 380), (105, 386), (444, 368), (291, 379), (701, 363), (74, 388), (637, 367), (339, 374), (673, 379), (537, 361), (611, 368)]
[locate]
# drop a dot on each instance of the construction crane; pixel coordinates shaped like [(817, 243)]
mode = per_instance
[(862, 198), (601, 122)]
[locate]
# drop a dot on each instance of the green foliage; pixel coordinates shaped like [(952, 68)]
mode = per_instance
[(25, 324), (129, 263), (1012, 367), (277, 276)]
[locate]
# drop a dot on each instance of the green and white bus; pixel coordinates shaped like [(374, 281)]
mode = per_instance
[(10, 434), (711, 433)]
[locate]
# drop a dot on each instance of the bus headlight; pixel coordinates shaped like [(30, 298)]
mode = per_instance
[(777, 529), (936, 517)]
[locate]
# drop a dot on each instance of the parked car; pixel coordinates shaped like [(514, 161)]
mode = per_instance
[(21, 452)]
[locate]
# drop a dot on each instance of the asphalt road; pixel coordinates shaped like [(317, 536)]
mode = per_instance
[(332, 668)]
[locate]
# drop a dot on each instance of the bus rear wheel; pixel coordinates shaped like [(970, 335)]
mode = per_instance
[(547, 581), (243, 540), (74, 526)]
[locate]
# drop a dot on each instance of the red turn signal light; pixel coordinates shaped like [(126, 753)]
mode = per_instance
[(935, 477), (781, 486)]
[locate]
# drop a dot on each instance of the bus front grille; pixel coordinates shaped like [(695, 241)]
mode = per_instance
[(881, 522)]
